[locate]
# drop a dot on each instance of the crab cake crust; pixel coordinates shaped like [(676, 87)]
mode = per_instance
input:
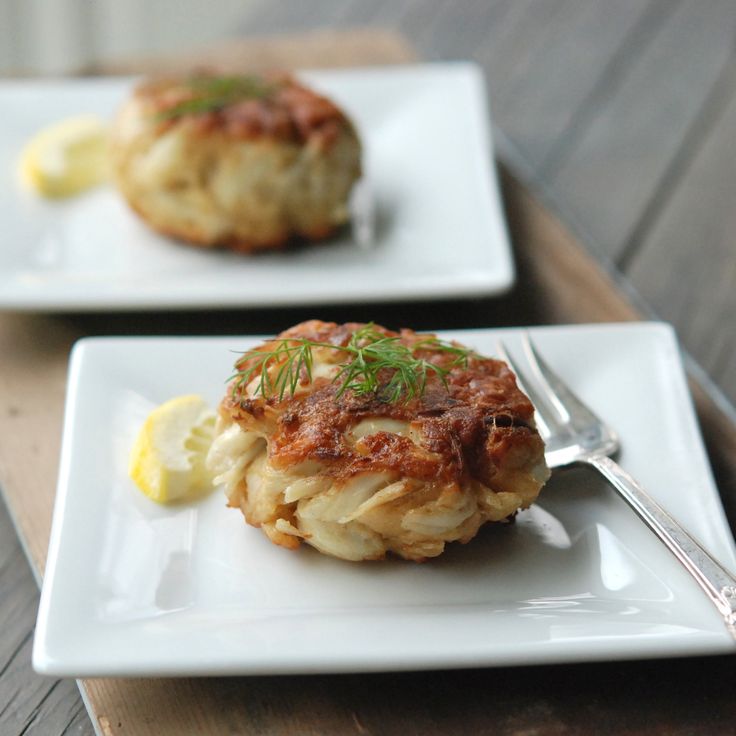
[(268, 161), (358, 477)]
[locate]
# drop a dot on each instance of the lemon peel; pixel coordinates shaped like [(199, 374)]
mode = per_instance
[(167, 461), (66, 158)]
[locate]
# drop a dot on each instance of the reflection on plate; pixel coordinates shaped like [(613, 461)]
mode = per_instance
[(133, 588), (439, 230)]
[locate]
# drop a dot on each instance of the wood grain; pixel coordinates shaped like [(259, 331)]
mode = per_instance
[(549, 66), (630, 698), (619, 161), (27, 701), (692, 245)]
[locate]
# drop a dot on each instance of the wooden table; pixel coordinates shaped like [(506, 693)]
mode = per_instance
[(567, 80)]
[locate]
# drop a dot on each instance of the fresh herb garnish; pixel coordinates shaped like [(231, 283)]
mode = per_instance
[(210, 94), (370, 354)]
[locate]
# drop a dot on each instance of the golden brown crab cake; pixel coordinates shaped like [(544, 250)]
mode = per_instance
[(238, 161), (389, 464)]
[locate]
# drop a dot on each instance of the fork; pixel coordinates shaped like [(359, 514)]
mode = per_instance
[(573, 434)]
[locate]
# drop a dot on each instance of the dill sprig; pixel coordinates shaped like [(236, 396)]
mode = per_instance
[(370, 357), (210, 94)]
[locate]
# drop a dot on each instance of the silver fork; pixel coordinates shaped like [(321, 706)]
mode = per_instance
[(574, 434)]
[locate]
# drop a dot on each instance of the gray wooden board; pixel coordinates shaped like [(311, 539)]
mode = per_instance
[(687, 265), (619, 162), (29, 704), (545, 65)]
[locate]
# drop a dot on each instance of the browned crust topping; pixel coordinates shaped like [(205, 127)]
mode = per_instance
[(282, 109), (468, 428)]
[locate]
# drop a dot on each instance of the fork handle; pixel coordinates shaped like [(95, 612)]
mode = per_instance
[(718, 584)]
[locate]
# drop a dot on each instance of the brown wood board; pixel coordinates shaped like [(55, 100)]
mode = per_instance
[(558, 283)]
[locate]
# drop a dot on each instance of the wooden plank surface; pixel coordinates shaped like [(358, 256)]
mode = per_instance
[(700, 212), (546, 76), (28, 703), (619, 161)]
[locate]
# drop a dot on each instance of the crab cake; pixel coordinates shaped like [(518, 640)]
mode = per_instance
[(361, 441), (238, 161)]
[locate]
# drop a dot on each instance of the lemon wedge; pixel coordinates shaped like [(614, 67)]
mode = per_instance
[(168, 458), (66, 158)]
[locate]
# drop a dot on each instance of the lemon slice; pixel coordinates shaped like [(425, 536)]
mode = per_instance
[(168, 458), (66, 158)]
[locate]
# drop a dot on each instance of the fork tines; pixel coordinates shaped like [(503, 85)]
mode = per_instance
[(557, 407)]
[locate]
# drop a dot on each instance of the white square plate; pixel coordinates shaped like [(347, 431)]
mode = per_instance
[(134, 588), (428, 160)]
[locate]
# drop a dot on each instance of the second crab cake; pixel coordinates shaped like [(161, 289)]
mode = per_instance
[(244, 162), (361, 441)]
